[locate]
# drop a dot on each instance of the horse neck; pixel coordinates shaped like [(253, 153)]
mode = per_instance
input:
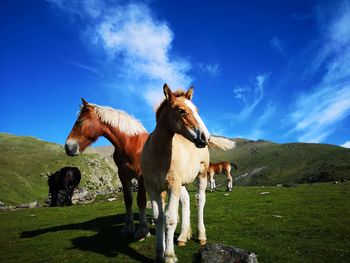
[(116, 137), (162, 136)]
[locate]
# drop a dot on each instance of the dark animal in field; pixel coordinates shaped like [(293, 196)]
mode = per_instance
[(65, 179)]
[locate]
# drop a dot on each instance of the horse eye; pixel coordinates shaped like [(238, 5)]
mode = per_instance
[(181, 111)]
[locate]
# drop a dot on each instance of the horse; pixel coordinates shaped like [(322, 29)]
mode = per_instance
[(66, 179), (174, 155), (217, 168), (128, 137)]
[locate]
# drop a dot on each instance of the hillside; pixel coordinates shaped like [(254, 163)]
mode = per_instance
[(25, 163), (266, 163)]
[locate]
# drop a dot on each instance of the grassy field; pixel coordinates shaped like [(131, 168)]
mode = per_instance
[(306, 223)]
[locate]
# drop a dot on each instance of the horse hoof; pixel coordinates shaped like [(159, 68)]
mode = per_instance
[(181, 244), (128, 229), (202, 242), (141, 235), (172, 259)]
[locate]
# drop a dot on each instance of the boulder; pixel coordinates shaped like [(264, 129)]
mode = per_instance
[(219, 253)]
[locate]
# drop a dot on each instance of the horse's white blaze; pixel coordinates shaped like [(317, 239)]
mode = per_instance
[(202, 126)]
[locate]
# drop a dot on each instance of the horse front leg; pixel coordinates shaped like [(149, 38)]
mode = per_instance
[(129, 227), (202, 183), (142, 229), (158, 218), (54, 195), (186, 231), (171, 218), (212, 182)]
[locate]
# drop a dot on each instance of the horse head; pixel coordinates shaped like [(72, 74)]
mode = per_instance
[(184, 118), (85, 131)]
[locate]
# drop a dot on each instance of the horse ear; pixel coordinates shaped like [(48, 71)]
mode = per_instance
[(189, 93), (85, 103), (168, 93)]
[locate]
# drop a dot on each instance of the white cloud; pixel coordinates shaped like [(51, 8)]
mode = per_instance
[(317, 112), (136, 43), (346, 144), (250, 96)]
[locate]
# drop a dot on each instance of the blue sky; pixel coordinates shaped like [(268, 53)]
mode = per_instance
[(274, 70)]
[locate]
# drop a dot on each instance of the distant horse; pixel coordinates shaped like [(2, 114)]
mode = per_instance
[(128, 137), (217, 168), (174, 155), (66, 179)]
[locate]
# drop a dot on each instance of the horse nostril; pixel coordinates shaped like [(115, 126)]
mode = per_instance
[(202, 137), (66, 148)]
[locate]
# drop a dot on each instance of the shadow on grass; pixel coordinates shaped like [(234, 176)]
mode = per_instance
[(108, 239)]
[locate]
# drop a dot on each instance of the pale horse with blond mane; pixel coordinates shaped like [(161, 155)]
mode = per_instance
[(174, 155)]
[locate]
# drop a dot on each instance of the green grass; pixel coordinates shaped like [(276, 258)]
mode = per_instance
[(314, 227)]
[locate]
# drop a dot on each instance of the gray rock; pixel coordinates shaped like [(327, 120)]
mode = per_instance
[(219, 253)]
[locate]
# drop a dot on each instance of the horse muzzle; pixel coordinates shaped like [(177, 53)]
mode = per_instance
[(71, 148), (201, 139)]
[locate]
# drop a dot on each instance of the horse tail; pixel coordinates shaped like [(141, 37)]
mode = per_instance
[(221, 143), (235, 166)]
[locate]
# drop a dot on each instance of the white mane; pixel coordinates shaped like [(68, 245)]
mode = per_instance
[(119, 119)]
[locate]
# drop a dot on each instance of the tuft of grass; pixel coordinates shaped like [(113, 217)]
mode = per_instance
[(307, 223)]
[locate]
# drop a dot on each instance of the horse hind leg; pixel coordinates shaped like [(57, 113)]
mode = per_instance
[(186, 231), (212, 182), (229, 183), (158, 218), (129, 227), (142, 229)]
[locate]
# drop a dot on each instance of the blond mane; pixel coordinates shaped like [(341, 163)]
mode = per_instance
[(119, 119)]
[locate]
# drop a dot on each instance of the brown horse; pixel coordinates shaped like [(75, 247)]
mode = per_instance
[(217, 168), (128, 137), (174, 155)]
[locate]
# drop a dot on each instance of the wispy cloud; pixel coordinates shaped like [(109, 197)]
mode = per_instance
[(277, 44), (83, 66), (317, 112), (250, 95), (136, 43), (210, 69)]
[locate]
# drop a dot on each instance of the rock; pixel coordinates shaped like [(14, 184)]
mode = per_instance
[(34, 204), (83, 196), (30, 205), (264, 193), (2, 204), (277, 216), (111, 199), (219, 253)]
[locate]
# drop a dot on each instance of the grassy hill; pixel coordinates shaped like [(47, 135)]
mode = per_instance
[(25, 163), (266, 163)]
